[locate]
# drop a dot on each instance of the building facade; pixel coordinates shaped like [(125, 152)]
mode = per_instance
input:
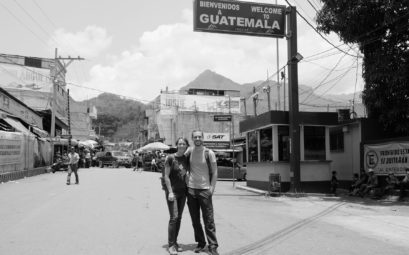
[(174, 115)]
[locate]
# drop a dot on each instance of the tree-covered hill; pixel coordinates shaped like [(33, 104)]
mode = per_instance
[(118, 118)]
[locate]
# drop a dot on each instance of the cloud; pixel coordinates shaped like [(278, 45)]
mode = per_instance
[(88, 43), (173, 55)]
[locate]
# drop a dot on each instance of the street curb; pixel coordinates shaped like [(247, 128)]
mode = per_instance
[(11, 176), (287, 194)]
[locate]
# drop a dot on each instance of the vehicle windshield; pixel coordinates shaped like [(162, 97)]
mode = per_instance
[(118, 153)]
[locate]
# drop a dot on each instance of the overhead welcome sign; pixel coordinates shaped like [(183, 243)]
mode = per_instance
[(387, 157), (234, 17)]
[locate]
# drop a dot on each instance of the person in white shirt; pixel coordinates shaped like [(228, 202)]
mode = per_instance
[(73, 165)]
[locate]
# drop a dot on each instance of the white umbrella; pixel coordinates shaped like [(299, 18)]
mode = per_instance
[(156, 146)]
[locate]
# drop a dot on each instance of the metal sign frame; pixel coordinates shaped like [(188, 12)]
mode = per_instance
[(237, 17)]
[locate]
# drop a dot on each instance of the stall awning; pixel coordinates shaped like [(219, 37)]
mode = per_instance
[(62, 141), (17, 125), (39, 132)]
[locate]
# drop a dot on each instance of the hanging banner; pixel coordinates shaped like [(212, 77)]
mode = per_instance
[(387, 157), (198, 103), (235, 17)]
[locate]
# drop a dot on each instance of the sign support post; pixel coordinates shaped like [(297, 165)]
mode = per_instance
[(293, 99)]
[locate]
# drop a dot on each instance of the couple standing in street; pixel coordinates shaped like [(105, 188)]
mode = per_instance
[(191, 173)]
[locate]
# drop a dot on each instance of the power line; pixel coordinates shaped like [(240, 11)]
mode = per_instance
[(319, 32), (312, 6), (22, 23), (45, 15), (31, 17), (321, 83), (340, 78)]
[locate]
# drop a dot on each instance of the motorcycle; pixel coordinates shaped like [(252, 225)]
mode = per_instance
[(59, 165)]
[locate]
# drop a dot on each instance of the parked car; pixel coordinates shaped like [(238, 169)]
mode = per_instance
[(105, 158), (225, 170), (124, 159)]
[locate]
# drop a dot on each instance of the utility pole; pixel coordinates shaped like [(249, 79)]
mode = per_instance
[(278, 70), (57, 70), (244, 105), (283, 78), (293, 58), (69, 118), (267, 90), (232, 139), (255, 97)]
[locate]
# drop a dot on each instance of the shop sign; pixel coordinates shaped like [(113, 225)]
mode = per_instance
[(222, 117), (236, 17), (387, 157), (216, 140)]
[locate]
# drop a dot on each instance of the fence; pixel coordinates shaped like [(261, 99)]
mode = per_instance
[(22, 155)]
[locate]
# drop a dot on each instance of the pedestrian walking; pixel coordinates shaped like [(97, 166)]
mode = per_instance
[(176, 166), (135, 161), (201, 182), (73, 165)]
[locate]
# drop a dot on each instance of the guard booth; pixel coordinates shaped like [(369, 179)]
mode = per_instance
[(268, 150)]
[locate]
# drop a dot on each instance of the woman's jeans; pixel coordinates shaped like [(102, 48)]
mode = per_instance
[(175, 212)]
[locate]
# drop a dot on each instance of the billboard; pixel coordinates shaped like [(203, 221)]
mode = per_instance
[(200, 103), (33, 86), (25, 78), (387, 157), (216, 140), (236, 17)]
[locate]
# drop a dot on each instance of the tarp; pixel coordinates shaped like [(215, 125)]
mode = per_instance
[(39, 132), (156, 146), (88, 143)]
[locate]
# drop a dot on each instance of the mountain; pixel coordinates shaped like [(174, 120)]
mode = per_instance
[(309, 100), (118, 118), (122, 119), (211, 80)]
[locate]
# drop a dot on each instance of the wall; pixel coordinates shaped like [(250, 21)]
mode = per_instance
[(315, 175), (347, 162), (16, 151), (181, 125)]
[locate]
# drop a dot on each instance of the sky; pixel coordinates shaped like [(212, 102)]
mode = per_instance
[(137, 48)]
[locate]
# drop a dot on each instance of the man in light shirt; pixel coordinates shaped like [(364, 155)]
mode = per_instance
[(201, 182), (73, 165)]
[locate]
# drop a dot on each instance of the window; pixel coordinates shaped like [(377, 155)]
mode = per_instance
[(336, 140), (314, 143), (253, 147), (266, 144), (283, 143)]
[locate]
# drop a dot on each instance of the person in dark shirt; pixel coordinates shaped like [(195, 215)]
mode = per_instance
[(176, 167), (334, 183), (404, 185), (370, 185)]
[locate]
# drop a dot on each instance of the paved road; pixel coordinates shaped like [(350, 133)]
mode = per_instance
[(118, 211)]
